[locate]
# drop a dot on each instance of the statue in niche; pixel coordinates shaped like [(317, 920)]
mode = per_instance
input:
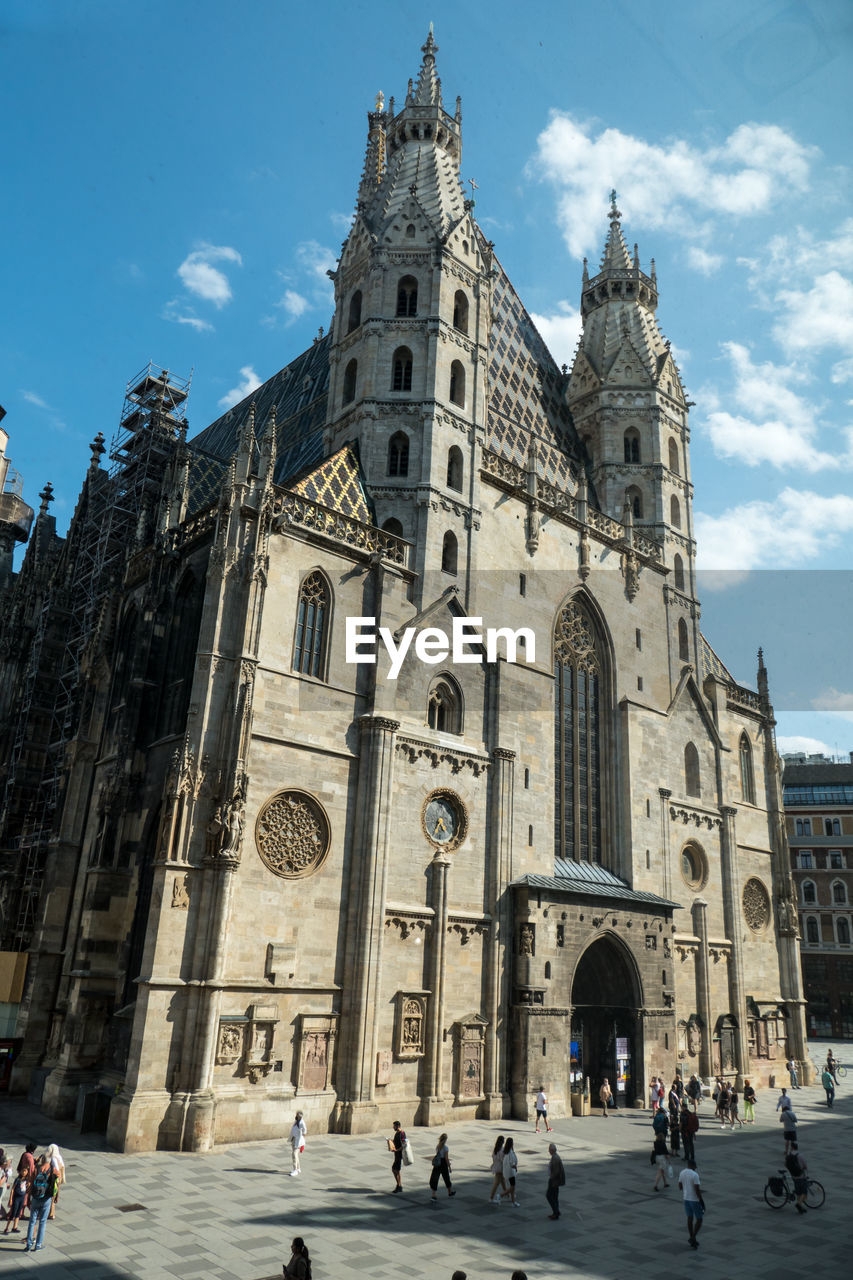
[(234, 825), (694, 1039), (525, 940), (214, 833)]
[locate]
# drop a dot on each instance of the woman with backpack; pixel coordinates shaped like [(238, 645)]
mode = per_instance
[(42, 1188), (441, 1168), (299, 1267)]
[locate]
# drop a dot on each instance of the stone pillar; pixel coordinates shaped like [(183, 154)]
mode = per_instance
[(699, 911), (434, 1108), (665, 841), (366, 925), (732, 918), (500, 936)]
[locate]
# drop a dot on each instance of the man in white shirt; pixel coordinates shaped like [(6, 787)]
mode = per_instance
[(542, 1110), (297, 1144), (694, 1205)]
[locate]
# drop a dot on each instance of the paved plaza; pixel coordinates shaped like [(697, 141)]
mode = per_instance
[(230, 1214)]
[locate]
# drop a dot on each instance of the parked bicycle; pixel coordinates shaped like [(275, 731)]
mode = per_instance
[(779, 1191)]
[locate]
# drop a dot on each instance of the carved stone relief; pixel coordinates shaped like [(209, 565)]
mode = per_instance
[(411, 1015)]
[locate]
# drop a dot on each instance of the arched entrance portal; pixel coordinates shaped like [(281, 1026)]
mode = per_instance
[(605, 1026)]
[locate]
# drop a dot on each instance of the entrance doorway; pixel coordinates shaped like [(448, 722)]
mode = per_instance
[(605, 1004)]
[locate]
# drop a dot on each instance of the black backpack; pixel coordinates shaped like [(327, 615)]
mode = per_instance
[(42, 1184)]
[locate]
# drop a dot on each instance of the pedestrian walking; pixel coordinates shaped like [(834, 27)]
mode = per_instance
[(673, 1100), (297, 1144), (660, 1157), (689, 1127), (396, 1144), (441, 1168), (828, 1081), (675, 1132), (605, 1093), (556, 1179), (20, 1191), (789, 1120), (510, 1170), (7, 1177), (542, 1109), (796, 1166), (784, 1101), (723, 1105), (832, 1066), (694, 1204), (694, 1091), (661, 1091), (57, 1164), (791, 1067), (749, 1102), (299, 1266), (653, 1093), (498, 1184), (42, 1188), (660, 1122), (734, 1104), (27, 1162)]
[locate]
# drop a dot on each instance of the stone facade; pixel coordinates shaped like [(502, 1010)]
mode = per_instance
[(274, 877)]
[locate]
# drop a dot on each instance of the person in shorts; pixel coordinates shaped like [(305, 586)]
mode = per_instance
[(789, 1121), (396, 1144), (796, 1166), (694, 1205), (542, 1109)]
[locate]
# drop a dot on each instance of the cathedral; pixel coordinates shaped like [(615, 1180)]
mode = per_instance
[(362, 753)]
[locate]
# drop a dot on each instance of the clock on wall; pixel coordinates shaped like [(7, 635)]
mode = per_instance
[(445, 820)]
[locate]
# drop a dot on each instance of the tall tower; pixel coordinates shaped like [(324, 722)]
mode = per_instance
[(629, 406), (408, 354)]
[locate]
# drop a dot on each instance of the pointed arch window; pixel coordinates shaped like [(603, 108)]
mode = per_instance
[(407, 296), (683, 641), (673, 457), (350, 378), (634, 498), (457, 384), (843, 931), (578, 670), (398, 454), (449, 553), (312, 626), (444, 706), (632, 445), (692, 780), (402, 370), (393, 525), (839, 893), (354, 311), (678, 566), (675, 512), (460, 311), (454, 468), (812, 931), (747, 779)]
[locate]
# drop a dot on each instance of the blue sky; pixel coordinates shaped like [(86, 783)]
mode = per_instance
[(180, 176)]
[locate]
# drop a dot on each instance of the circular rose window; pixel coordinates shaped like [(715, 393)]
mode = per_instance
[(292, 834), (756, 905), (694, 868)]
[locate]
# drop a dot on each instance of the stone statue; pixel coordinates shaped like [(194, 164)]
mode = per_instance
[(214, 832), (234, 824)]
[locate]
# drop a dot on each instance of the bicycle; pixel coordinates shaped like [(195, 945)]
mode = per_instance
[(779, 1191)]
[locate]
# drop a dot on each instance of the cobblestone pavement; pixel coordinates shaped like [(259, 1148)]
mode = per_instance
[(230, 1214)]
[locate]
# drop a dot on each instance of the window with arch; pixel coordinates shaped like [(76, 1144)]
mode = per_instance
[(454, 468), (678, 567), (449, 553), (634, 499), (683, 641), (180, 654), (444, 705), (839, 893), (673, 457), (312, 626), (832, 826), (694, 866), (393, 525), (457, 384), (747, 779), (578, 696), (674, 512), (842, 931), (350, 378), (809, 893), (398, 454), (407, 296), (632, 445), (460, 311), (401, 365), (692, 780), (354, 311), (804, 826), (812, 930)]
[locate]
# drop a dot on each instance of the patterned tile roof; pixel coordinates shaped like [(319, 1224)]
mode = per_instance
[(712, 665), (338, 483)]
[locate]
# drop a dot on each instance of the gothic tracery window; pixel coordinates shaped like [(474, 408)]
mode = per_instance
[(577, 736), (747, 782), (402, 370), (398, 454), (312, 626), (407, 296), (444, 706), (692, 779)]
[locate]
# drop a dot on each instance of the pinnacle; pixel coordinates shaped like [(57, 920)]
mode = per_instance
[(428, 89), (615, 250)]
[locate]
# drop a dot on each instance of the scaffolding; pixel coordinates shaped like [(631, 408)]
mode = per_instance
[(89, 571)]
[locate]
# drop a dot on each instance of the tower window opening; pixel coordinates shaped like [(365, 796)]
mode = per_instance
[(678, 566), (673, 458), (747, 782), (398, 454), (675, 512), (444, 706), (454, 468), (354, 311), (392, 525), (449, 553), (632, 445), (457, 384), (683, 641), (460, 311), (692, 779), (527, 779), (350, 378), (522, 584), (635, 500), (402, 367), (410, 231), (407, 296)]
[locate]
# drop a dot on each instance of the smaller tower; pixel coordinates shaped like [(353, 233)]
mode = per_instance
[(16, 517)]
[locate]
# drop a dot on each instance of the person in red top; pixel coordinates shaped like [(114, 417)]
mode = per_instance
[(27, 1162)]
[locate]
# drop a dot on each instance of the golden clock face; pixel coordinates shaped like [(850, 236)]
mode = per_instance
[(444, 820)]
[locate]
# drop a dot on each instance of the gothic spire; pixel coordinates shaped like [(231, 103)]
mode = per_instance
[(428, 89), (616, 256)]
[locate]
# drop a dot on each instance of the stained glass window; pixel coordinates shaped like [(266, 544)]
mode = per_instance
[(311, 625), (577, 738)]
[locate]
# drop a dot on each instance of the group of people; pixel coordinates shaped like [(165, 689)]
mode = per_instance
[(31, 1190)]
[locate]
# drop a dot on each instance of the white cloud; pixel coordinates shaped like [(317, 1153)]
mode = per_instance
[(818, 318), (342, 221), (32, 398), (775, 425), (704, 262), (560, 331), (750, 536), (250, 382), (834, 700), (315, 259), (796, 743), (674, 185), (185, 315), (294, 304), (200, 277)]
